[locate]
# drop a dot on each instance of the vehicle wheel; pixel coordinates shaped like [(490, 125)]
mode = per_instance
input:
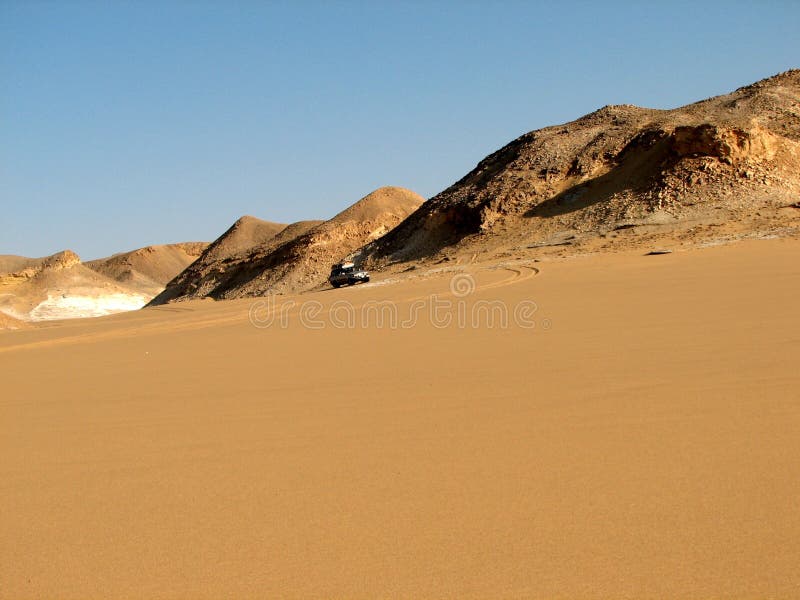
[(336, 285)]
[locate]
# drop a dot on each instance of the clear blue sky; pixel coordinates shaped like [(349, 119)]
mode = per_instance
[(124, 124)]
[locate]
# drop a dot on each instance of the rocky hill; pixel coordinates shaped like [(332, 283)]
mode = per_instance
[(10, 263), (299, 257), (150, 268), (245, 233), (729, 165), (60, 287)]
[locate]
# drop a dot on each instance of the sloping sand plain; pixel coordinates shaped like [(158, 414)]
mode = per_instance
[(641, 441)]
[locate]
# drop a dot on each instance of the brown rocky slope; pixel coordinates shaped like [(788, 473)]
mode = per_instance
[(245, 235), (299, 257), (730, 161)]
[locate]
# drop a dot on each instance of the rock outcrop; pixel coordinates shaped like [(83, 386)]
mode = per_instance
[(730, 156)]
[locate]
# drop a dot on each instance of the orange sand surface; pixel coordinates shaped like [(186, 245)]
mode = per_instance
[(641, 441)]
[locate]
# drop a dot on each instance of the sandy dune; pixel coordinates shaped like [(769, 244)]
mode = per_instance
[(640, 441)]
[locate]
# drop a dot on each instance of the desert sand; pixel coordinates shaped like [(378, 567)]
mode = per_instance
[(640, 441)]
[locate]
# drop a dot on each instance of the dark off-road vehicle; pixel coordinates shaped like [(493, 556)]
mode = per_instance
[(345, 273)]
